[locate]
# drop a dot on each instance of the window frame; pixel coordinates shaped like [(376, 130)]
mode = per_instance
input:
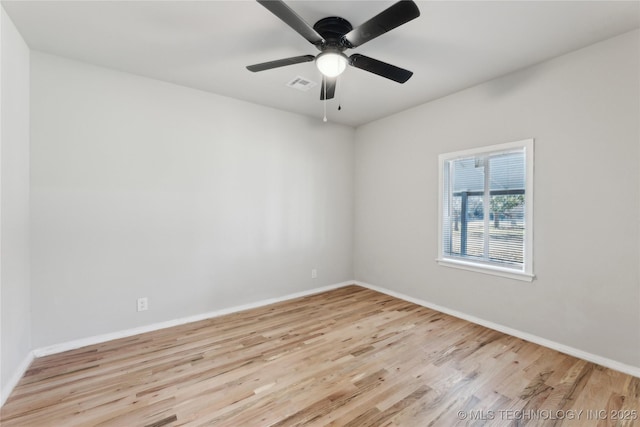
[(526, 273)]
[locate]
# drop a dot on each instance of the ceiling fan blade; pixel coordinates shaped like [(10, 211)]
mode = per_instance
[(330, 85), (396, 15), (280, 63), (292, 19), (380, 68)]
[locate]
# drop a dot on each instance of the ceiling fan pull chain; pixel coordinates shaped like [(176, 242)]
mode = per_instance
[(338, 80), (324, 103)]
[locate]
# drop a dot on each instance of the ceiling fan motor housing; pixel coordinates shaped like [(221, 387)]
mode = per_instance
[(332, 30)]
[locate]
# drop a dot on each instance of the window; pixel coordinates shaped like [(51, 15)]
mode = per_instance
[(486, 210)]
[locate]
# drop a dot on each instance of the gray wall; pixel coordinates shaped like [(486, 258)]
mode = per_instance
[(583, 110), (196, 201), (14, 226)]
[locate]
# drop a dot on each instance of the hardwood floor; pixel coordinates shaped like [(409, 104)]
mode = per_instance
[(348, 357)]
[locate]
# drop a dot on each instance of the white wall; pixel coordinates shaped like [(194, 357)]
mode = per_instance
[(196, 201), (583, 109), (15, 304)]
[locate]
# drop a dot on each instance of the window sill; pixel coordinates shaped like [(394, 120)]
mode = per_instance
[(486, 269)]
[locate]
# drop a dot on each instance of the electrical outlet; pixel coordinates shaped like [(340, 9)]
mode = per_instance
[(143, 304), (314, 273)]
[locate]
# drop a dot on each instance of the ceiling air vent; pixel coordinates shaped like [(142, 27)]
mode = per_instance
[(301, 83)]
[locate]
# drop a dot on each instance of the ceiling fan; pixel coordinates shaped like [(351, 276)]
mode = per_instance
[(333, 35)]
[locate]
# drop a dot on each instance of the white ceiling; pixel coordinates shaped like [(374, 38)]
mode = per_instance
[(207, 44)]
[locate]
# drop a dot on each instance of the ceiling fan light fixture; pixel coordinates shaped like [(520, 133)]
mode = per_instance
[(331, 64)]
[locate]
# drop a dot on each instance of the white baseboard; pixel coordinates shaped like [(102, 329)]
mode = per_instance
[(571, 351), (97, 339), (15, 378)]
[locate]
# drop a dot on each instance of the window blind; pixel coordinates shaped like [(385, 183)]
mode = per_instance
[(484, 208)]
